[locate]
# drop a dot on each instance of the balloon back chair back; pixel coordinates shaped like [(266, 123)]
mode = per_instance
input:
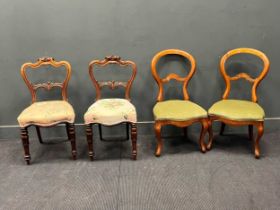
[(255, 81), (112, 111), (240, 112), (180, 113), (185, 80), (47, 113)]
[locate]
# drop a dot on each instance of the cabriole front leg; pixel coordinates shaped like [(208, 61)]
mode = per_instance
[(204, 128), (260, 128), (210, 132), (157, 128), (25, 143)]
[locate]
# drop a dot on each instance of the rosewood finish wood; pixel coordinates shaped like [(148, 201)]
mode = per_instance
[(39, 134), (255, 82), (72, 138), (89, 135), (116, 60), (25, 143), (134, 140), (185, 80), (112, 84), (48, 86)]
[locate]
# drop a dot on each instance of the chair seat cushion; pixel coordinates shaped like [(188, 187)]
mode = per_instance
[(46, 113), (239, 110), (178, 110), (111, 111)]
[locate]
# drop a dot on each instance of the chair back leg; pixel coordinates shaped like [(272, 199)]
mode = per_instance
[(251, 132), (222, 130), (39, 134), (185, 130)]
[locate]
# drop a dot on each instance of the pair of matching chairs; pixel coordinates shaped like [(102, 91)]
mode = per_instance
[(107, 112), (182, 113), (110, 112)]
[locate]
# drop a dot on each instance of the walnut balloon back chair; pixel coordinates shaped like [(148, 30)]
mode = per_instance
[(111, 111), (240, 112), (47, 113), (180, 113)]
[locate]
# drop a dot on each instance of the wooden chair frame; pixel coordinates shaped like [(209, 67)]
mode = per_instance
[(185, 80), (255, 83), (112, 85), (70, 128)]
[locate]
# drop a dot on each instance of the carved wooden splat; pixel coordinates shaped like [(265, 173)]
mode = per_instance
[(112, 59), (48, 85), (112, 84)]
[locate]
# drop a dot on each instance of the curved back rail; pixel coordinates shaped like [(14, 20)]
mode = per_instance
[(112, 84), (47, 85), (255, 81), (161, 81)]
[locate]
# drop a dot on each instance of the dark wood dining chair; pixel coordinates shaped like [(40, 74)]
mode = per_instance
[(111, 111), (240, 112), (47, 113), (180, 113)]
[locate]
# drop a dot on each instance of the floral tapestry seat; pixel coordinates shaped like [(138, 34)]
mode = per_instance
[(47, 113), (111, 111)]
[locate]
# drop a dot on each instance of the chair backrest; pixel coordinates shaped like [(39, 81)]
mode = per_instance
[(112, 84), (47, 85), (255, 81), (161, 81)]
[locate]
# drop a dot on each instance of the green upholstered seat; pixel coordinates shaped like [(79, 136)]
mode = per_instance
[(239, 110), (178, 110)]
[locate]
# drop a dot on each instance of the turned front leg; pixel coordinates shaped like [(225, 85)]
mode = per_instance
[(89, 135), (25, 143), (72, 139), (134, 140)]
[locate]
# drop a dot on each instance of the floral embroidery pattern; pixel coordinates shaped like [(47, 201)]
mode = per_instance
[(110, 112), (47, 113)]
